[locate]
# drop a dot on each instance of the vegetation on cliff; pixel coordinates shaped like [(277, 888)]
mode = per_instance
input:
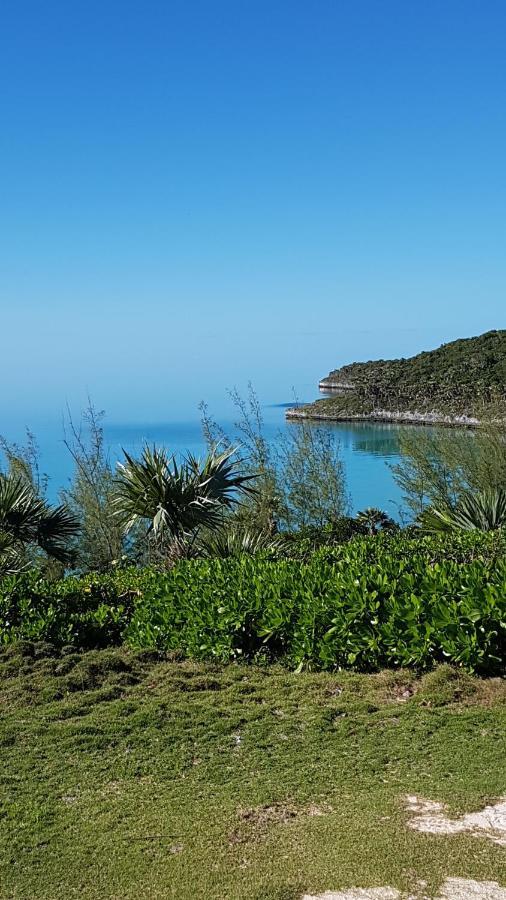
[(459, 379)]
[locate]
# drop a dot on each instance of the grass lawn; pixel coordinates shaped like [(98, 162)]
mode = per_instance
[(130, 777)]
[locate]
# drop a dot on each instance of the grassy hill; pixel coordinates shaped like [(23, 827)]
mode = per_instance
[(456, 382), (128, 775)]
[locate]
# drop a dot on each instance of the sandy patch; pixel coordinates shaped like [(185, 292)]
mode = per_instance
[(452, 889), (430, 816), (462, 889), (357, 894)]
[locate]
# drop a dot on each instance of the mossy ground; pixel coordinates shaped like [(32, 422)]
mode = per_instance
[(128, 776)]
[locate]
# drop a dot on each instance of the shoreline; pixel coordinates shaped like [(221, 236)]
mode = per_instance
[(398, 417)]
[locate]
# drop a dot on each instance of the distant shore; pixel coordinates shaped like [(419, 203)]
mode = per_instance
[(400, 417), (460, 384)]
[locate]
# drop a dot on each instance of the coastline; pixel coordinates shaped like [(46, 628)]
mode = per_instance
[(406, 417)]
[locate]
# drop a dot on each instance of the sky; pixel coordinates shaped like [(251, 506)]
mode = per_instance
[(198, 194)]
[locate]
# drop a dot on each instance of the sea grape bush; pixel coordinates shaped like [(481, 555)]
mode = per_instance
[(370, 603), (357, 608), (86, 611)]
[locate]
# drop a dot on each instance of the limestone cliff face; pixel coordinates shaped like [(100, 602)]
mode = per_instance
[(330, 384), (398, 417)]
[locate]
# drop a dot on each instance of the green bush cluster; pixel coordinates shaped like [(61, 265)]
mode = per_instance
[(82, 611), (370, 603)]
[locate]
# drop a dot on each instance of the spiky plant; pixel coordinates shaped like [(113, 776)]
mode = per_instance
[(28, 520), (234, 540), (480, 511), (12, 559), (175, 499), (374, 520)]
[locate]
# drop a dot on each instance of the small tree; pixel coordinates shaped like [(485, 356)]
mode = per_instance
[(175, 500), (23, 461), (439, 465), (313, 479), (300, 476), (90, 494), (374, 520), (260, 510)]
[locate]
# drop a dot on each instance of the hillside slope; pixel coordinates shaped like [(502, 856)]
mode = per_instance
[(128, 775), (457, 383)]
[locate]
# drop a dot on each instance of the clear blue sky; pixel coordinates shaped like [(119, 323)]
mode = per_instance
[(197, 193)]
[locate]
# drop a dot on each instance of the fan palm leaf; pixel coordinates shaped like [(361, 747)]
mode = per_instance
[(175, 499), (20, 508), (235, 541), (12, 559), (374, 520), (26, 518), (481, 511), (56, 528)]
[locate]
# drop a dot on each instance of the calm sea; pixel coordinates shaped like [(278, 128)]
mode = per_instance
[(368, 451)]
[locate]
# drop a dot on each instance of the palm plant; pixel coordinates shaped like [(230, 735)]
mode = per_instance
[(236, 540), (12, 559), (374, 520), (28, 520), (480, 511), (176, 499)]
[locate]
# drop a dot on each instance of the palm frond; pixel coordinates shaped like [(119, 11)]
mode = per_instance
[(56, 528), (175, 498), (26, 518), (480, 511), (12, 559), (236, 541), (20, 508)]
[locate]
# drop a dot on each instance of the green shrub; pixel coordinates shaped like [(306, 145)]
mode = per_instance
[(366, 604), (370, 603), (302, 543), (86, 611)]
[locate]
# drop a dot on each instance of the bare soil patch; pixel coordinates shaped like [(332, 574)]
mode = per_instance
[(254, 822)]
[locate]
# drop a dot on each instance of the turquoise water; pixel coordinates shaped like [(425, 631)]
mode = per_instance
[(367, 450)]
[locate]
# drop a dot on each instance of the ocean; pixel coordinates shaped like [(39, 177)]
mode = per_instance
[(368, 450)]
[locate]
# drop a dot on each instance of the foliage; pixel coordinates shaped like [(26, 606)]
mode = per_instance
[(23, 461), (312, 476), (366, 605), (261, 511), (374, 520), (101, 542), (438, 465), (233, 539), (81, 611), (28, 520), (464, 377), (13, 558), (177, 499), (370, 603), (483, 511), (302, 542), (300, 476)]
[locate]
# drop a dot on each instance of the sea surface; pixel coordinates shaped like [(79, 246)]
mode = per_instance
[(368, 450)]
